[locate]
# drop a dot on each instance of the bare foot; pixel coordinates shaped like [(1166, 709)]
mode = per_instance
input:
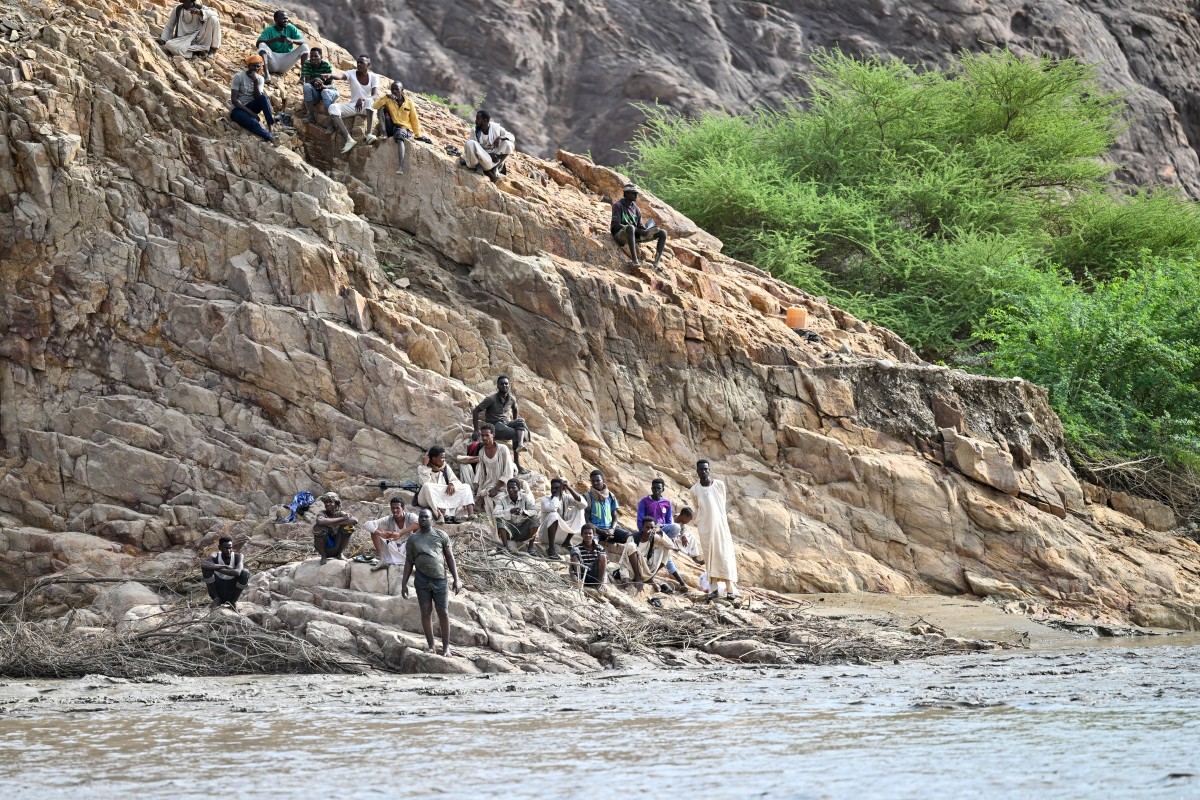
[(428, 649), (446, 651)]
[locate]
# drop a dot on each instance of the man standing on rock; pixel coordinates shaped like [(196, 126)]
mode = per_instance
[(389, 535), (364, 91), (333, 529), (628, 229), (500, 411), (712, 523), (191, 30), (493, 467), (514, 513), (281, 45), (488, 148), (246, 93), (428, 552), (225, 575)]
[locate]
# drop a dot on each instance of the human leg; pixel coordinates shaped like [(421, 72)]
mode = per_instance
[(661, 235), (262, 105), (342, 539), (250, 122), (335, 114), (551, 534), (320, 544), (475, 156)]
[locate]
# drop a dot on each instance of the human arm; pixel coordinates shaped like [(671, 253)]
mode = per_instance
[(451, 564), (670, 520), (168, 31), (408, 567), (477, 417), (335, 521), (413, 119), (641, 511)]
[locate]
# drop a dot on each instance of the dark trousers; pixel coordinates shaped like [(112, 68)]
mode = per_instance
[(259, 105), (227, 590)]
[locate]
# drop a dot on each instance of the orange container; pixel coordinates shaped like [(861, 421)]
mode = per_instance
[(797, 317)]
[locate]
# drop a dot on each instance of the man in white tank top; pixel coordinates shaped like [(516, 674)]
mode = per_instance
[(364, 91)]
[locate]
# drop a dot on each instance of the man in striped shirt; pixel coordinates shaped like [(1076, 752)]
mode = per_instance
[(317, 75), (589, 565)]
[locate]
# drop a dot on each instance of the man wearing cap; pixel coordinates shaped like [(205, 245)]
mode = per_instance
[(333, 528), (281, 45), (191, 30), (488, 147), (246, 93), (225, 574), (627, 227)]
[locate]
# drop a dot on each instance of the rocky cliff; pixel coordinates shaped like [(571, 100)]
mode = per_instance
[(197, 324), (566, 73)]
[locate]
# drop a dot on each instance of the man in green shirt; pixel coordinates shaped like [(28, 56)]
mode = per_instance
[(428, 551), (281, 45)]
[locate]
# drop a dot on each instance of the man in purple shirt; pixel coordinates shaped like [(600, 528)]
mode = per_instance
[(658, 508)]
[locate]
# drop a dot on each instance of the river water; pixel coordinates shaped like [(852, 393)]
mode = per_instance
[(1071, 722)]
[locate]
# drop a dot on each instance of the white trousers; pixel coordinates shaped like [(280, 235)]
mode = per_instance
[(282, 62), (474, 154)]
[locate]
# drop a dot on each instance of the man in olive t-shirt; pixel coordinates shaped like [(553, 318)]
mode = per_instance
[(428, 551)]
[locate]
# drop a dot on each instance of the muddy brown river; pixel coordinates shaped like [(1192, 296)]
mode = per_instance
[(1067, 721)]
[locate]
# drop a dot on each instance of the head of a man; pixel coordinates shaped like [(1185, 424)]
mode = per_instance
[(657, 487), (556, 486), (363, 63), (253, 64), (597, 478), (397, 507), (513, 487), (482, 120), (332, 502), (703, 471), (397, 90), (193, 7), (647, 524), (437, 457), (225, 545), (630, 192), (587, 535), (684, 516), (281, 18), (487, 434), (315, 55), (503, 386), (425, 520)]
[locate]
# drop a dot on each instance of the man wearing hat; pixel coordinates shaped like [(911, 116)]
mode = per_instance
[(333, 528), (627, 228), (249, 100)]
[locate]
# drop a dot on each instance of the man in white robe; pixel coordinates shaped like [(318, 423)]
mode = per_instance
[(493, 467), (712, 527), (441, 490), (191, 30), (561, 513)]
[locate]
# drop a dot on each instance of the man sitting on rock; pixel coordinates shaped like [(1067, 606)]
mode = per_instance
[(488, 148), (628, 229), (493, 466), (281, 45), (500, 411), (317, 75), (589, 564), (225, 575), (398, 117), (617, 541), (515, 516), (658, 510), (685, 542), (246, 93), (191, 30), (562, 512), (364, 91), (441, 490), (390, 533), (333, 528), (428, 552)]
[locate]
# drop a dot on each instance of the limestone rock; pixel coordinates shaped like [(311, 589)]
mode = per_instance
[(983, 461)]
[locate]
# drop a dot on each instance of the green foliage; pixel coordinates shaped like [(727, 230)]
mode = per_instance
[(969, 210)]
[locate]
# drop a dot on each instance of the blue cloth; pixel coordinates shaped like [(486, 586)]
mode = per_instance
[(602, 513), (329, 95), (300, 503)]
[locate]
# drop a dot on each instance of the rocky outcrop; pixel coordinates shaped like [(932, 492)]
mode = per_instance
[(566, 74), (197, 324)]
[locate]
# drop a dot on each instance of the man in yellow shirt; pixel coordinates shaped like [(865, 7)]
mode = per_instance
[(398, 118)]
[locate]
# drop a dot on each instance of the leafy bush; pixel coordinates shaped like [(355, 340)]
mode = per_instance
[(969, 210)]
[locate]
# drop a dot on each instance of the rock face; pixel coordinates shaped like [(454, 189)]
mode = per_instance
[(565, 74), (197, 324)]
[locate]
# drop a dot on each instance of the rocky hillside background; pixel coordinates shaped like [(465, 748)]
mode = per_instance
[(564, 74), (197, 324)]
